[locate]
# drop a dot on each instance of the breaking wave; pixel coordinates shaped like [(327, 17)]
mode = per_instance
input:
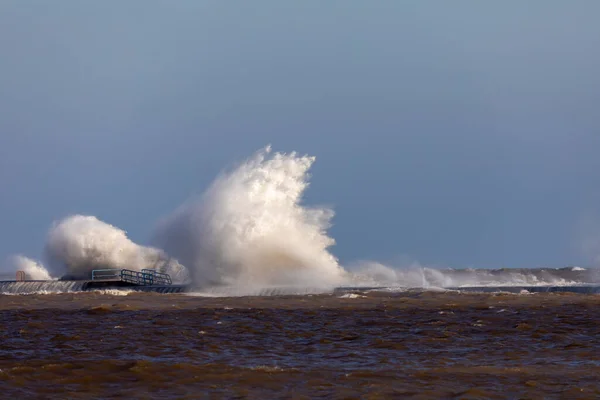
[(250, 228)]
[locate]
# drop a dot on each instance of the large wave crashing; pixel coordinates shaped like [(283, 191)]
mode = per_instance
[(250, 231), (250, 228)]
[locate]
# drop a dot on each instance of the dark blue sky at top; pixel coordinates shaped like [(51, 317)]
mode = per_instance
[(459, 133)]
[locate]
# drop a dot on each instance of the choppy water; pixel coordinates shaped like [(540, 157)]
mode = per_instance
[(364, 344)]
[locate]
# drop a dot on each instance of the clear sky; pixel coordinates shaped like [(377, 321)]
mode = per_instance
[(457, 133)]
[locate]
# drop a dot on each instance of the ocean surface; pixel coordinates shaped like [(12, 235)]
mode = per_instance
[(372, 344)]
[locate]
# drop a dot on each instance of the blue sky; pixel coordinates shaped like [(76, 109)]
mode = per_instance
[(459, 133)]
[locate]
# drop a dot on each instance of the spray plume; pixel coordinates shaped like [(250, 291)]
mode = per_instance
[(33, 269), (79, 244), (250, 228)]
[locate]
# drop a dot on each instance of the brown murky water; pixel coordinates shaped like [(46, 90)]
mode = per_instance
[(383, 345)]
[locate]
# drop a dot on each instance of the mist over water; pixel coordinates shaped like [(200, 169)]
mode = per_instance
[(370, 273)]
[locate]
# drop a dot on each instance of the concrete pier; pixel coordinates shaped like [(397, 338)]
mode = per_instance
[(584, 289)]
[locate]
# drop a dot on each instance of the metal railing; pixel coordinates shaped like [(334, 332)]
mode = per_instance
[(144, 277), (158, 278), (21, 276), (106, 274)]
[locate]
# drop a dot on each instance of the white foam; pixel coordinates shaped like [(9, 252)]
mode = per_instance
[(113, 292), (351, 296)]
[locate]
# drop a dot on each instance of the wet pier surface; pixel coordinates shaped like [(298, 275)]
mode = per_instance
[(584, 289), (360, 344), (65, 286)]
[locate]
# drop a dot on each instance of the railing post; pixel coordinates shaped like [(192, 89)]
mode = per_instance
[(21, 276)]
